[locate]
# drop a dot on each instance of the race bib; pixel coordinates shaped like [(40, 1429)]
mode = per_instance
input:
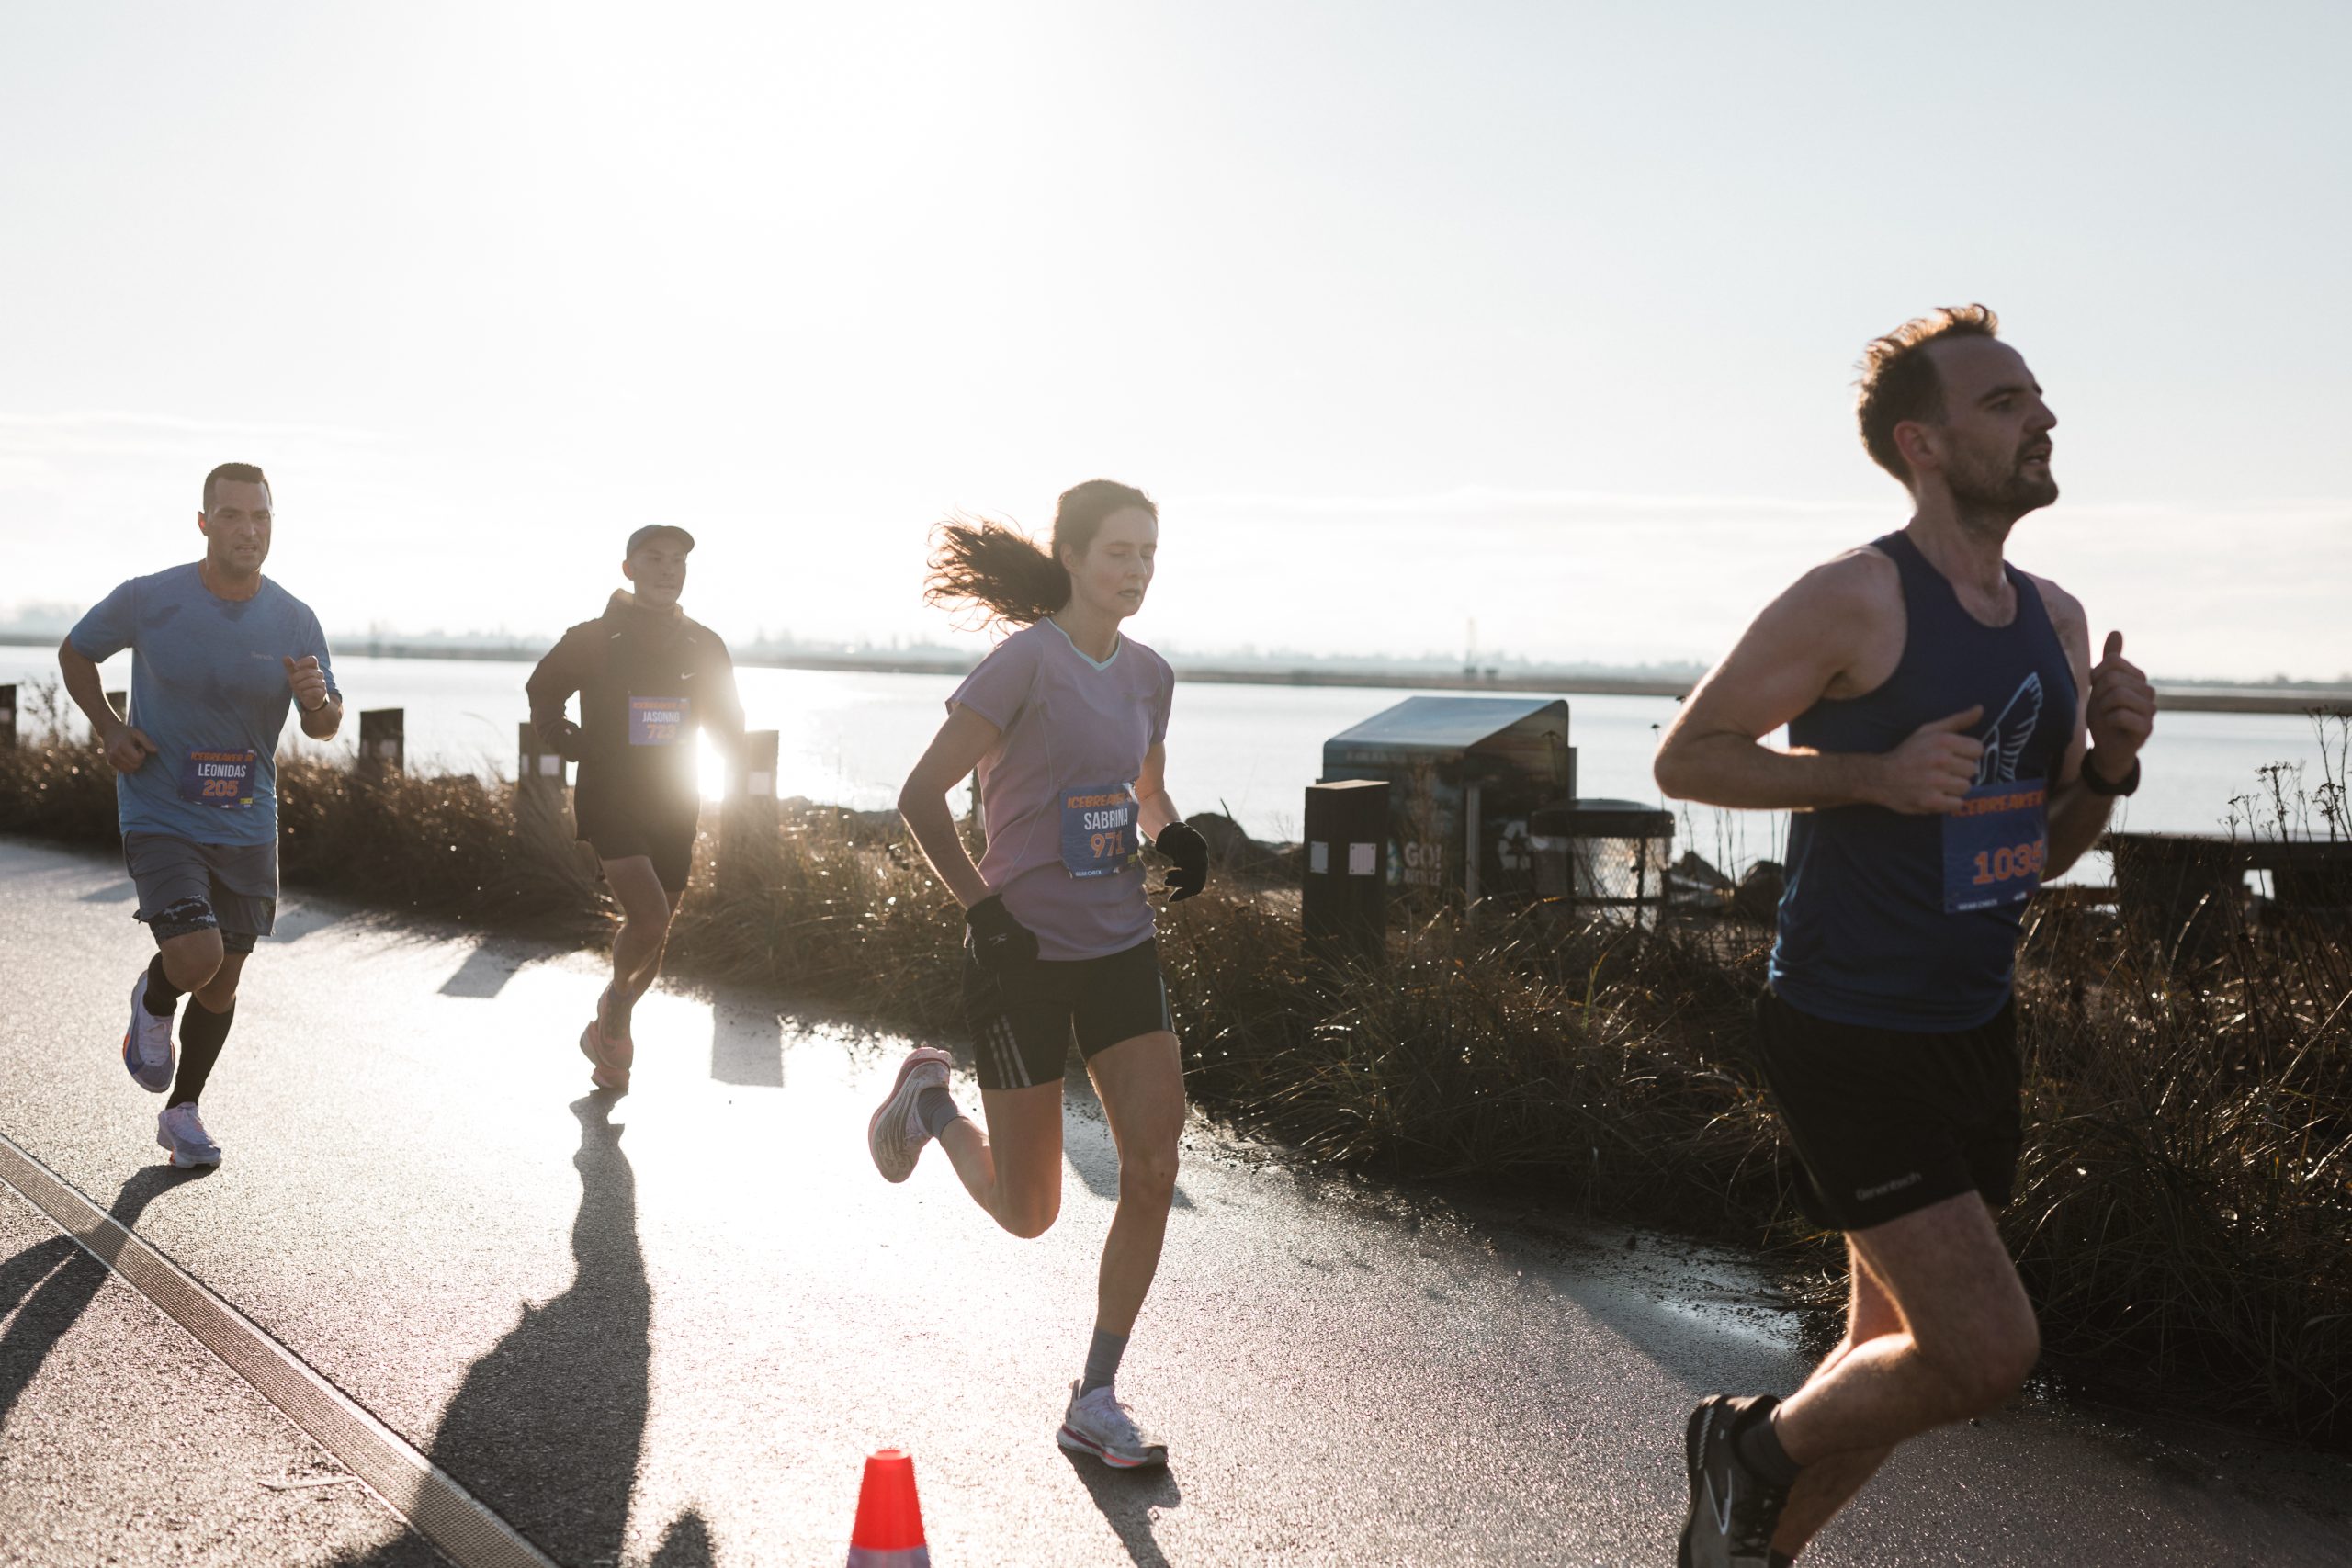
[(224, 779), (1099, 832), (1996, 845), (658, 721)]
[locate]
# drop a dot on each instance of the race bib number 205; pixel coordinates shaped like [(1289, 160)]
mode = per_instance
[(224, 779), (1996, 845)]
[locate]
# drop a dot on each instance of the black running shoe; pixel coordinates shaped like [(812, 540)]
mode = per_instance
[(1732, 1511)]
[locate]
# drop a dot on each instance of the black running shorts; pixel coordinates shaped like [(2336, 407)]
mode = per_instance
[(1022, 1034), (1887, 1121), (624, 818)]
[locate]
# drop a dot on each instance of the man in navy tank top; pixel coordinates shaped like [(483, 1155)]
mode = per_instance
[(1950, 746)]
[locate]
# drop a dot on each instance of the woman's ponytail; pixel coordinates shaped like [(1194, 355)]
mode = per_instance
[(996, 569), (1002, 574)]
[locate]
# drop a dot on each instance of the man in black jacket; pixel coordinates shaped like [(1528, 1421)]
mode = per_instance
[(647, 678)]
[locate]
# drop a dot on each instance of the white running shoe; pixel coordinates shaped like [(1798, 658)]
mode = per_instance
[(147, 1043), (895, 1134), (1098, 1424), (178, 1129)]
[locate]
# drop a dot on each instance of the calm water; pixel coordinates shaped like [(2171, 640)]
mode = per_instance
[(1249, 750)]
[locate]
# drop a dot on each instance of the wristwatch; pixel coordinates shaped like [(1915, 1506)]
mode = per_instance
[(2097, 786)]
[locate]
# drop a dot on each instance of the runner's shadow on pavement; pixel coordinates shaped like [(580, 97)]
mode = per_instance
[(746, 1046), (1127, 1499), (546, 1428), (1086, 1144), (688, 1544), (487, 968), (1088, 1149), (55, 1281), (297, 921)]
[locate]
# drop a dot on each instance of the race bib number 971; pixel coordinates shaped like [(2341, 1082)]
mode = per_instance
[(1099, 834), (224, 779), (657, 721), (1996, 845)]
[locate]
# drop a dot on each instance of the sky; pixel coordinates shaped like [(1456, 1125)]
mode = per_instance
[(1539, 316)]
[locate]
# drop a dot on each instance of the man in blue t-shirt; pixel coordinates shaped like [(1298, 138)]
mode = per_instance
[(218, 654)]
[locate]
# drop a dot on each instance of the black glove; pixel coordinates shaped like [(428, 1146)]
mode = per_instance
[(564, 737), (1185, 845), (1002, 945)]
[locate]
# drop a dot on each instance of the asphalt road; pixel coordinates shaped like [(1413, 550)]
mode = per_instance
[(665, 1328)]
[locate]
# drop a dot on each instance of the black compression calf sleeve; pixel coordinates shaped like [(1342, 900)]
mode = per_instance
[(202, 1033), (161, 994), (1759, 1448)]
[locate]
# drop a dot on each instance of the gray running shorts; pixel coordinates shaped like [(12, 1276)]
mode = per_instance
[(187, 888)]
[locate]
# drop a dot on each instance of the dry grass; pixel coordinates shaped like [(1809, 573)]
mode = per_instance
[(2185, 1211)]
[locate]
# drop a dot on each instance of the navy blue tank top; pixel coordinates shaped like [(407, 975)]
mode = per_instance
[(1910, 923)]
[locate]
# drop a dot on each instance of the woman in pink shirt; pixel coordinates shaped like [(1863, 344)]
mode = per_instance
[(1066, 724)]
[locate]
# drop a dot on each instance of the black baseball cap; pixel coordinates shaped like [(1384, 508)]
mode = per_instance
[(653, 531)]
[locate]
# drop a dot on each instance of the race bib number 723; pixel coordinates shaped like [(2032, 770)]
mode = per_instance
[(657, 721)]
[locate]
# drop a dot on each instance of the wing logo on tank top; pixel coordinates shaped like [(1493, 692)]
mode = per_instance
[(2005, 742), (1998, 839)]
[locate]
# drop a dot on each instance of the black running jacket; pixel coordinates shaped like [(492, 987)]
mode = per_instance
[(648, 680)]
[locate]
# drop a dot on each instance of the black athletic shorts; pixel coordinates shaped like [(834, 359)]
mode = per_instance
[(618, 821), (1886, 1121), (1024, 1038)]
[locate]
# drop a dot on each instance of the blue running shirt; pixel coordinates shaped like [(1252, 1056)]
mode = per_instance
[(208, 687)]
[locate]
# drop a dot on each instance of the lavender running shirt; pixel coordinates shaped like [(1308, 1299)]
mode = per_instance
[(1074, 732)]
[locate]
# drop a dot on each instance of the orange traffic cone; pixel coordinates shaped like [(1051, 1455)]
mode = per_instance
[(888, 1532)]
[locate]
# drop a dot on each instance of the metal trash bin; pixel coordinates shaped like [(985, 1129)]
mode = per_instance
[(1610, 854), (1465, 776)]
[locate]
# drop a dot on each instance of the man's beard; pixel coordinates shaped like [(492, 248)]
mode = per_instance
[(2000, 496)]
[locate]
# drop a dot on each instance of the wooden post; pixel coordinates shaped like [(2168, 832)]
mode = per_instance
[(1471, 827), (1642, 879), (1343, 905), (7, 718), (543, 828), (747, 818), (383, 740), (2186, 892), (536, 767)]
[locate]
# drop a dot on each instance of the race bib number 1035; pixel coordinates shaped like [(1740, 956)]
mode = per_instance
[(1996, 845)]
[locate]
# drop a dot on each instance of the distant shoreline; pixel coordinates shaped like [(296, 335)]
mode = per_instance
[(2171, 696)]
